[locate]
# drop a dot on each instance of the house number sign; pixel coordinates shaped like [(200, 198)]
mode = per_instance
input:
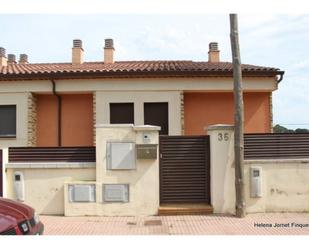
[(223, 136)]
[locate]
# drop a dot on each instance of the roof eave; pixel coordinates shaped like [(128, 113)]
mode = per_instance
[(137, 74)]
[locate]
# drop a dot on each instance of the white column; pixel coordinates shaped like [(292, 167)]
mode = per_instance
[(5, 160), (222, 169)]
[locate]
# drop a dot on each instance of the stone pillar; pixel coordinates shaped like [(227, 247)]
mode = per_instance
[(222, 168), (94, 109), (182, 112), (32, 120), (271, 112), (143, 181)]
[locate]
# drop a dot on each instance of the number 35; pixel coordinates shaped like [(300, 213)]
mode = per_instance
[(222, 136)]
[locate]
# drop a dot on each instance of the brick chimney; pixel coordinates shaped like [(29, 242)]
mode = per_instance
[(23, 59), (109, 51), (3, 59), (11, 58), (77, 52), (214, 52)]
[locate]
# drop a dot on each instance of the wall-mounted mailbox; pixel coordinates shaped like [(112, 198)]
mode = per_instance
[(19, 186), (146, 151), (256, 182)]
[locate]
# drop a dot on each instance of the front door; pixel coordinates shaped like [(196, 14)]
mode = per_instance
[(184, 169)]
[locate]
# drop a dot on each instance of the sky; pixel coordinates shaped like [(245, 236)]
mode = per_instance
[(275, 40)]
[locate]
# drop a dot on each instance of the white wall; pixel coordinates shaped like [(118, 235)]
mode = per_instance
[(285, 182), (141, 84), (222, 168), (5, 159), (285, 186), (44, 183), (143, 181)]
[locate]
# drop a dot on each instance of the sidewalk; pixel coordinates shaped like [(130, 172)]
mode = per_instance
[(178, 225)]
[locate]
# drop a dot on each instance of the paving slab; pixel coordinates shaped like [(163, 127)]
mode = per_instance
[(252, 224)]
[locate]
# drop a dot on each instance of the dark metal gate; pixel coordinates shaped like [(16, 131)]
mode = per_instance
[(184, 169), (1, 174)]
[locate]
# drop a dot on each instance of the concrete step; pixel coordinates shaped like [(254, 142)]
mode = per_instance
[(185, 209)]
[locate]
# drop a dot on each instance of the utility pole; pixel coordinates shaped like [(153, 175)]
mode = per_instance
[(238, 120)]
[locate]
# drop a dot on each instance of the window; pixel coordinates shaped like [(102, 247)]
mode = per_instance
[(8, 121), (157, 114), (121, 113)]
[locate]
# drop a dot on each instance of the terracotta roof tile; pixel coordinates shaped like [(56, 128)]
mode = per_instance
[(129, 69)]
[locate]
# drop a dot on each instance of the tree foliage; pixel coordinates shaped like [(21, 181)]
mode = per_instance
[(281, 129)]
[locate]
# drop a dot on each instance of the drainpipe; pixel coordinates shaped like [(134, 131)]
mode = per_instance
[(59, 111), (280, 77)]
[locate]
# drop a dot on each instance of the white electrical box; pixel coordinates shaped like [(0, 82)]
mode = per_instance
[(121, 155), (19, 186), (82, 193), (116, 192), (255, 182)]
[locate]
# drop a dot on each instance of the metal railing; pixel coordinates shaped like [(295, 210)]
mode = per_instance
[(276, 145)]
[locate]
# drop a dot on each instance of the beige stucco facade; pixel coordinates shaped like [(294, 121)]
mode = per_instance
[(285, 186), (284, 182), (44, 183), (140, 84), (139, 90), (222, 168), (143, 181), (139, 98)]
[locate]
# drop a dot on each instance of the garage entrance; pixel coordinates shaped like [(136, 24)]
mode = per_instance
[(184, 169)]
